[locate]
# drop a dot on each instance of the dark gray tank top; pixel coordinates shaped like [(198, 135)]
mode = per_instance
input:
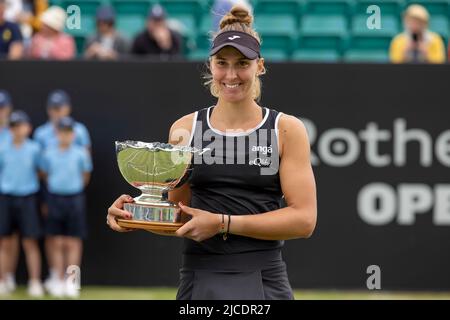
[(237, 174)]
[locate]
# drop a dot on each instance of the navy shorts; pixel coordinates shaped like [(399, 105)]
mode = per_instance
[(19, 213), (66, 215)]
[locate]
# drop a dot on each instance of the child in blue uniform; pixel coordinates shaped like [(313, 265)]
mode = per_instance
[(19, 184), (58, 106), (66, 168), (7, 282)]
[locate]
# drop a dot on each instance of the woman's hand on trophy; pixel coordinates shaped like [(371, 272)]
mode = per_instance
[(203, 224), (116, 212)]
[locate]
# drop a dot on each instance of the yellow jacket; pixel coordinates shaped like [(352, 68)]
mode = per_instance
[(435, 48)]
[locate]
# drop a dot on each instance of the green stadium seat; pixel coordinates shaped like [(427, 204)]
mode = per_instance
[(135, 7), (80, 41), (363, 38), (204, 33), (87, 27), (198, 55), (87, 7), (389, 26), (130, 25), (193, 7), (277, 31), (387, 7), (322, 32), (328, 7), (440, 25), (292, 7), (380, 56), (274, 55), (315, 55)]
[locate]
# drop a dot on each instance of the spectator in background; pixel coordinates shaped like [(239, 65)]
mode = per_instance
[(417, 44), (8, 257), (11, 46), (157, 39), (107, 44), (66, 168), (51, 42), (222, 7), (19, 183)]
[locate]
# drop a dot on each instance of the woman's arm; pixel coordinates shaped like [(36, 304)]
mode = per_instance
[(298, 219), (179, 134)]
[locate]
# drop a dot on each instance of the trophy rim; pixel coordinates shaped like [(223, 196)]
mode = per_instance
[(152, 146)]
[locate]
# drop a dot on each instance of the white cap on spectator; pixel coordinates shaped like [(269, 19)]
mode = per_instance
[(55, 18)]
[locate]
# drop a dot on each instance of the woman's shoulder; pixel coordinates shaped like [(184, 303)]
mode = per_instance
[(288, 121), (291, 130), (185, 122), (180, 130)]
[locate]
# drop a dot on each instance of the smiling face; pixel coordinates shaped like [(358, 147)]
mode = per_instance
[(234, 75)]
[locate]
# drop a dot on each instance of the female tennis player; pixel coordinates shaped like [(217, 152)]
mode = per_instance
[(252, 156)]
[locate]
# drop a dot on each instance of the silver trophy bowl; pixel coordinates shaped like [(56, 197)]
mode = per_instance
[(154, 168)]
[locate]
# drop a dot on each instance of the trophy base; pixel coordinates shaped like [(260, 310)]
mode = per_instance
[(161, 218), (161, 228)]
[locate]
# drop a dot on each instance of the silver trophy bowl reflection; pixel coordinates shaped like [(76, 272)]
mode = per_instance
[(154, 168)]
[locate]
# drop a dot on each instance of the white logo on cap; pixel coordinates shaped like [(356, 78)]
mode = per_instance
[(233, 37)]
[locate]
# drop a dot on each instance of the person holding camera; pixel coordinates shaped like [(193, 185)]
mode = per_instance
[(417, 44)]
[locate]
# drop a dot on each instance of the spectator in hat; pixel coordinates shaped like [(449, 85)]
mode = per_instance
[(417, 44), (51, 42), (66, 169), (11, 41), (59, 106), (19, 183), (158, 39), (107, 44)]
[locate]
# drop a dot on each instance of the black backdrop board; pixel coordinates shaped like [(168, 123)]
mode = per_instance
[(382, 200)]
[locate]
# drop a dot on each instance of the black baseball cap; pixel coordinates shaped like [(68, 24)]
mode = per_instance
[(242, 41), (5, 98), (157, 12), (18, 117), (105, 13), (66, 123), (58, 98)]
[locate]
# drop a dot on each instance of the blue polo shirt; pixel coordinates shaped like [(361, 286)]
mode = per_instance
[(18, 168), (46, 135), (9, 33), (5, 137), (65, 169)]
